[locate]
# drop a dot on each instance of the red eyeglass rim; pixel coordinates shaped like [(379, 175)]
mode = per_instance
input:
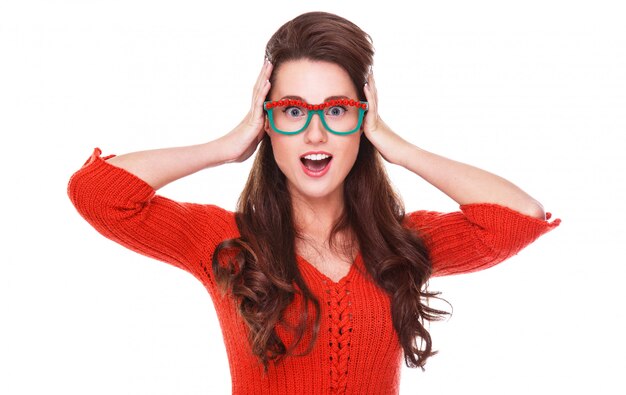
[(300, 103)]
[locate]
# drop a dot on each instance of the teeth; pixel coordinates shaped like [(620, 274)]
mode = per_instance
[(316, 156)]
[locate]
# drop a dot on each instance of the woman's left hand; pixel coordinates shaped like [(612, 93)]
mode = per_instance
[(391, 146)]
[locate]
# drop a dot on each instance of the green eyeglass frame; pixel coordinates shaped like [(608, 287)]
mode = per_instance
[(363, 107)]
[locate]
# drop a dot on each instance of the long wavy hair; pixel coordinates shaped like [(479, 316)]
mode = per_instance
[(265, 277)]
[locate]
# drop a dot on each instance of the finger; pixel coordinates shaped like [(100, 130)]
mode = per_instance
[(370, 115), (257, 105), (265, 74), (262, 75), (372, 86), (260, 82), (261, 94), (370, 95), (261, 89)]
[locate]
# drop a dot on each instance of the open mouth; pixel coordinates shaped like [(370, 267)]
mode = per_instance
[(316, 162)]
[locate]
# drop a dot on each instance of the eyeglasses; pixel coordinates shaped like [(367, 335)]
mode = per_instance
[(341, 116)]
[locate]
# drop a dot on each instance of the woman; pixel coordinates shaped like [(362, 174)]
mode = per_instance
[(319, 279)]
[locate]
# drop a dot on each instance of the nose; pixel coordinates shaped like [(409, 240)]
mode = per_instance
[(315, 132)]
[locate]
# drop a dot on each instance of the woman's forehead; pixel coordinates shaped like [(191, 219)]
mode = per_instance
[(312, 81)]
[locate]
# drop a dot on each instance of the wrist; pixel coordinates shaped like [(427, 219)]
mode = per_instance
[(218, 152)]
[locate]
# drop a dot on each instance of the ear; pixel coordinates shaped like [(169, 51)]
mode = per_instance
[(266, 125)]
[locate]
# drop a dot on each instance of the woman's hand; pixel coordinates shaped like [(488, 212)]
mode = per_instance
[(246, 136), (390, 145)]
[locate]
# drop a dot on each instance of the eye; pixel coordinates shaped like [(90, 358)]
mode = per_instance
[(293, 112), (336, 111)]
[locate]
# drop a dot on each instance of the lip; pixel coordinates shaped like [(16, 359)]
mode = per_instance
[(311, 173)]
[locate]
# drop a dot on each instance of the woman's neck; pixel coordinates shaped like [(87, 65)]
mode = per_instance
[(316, 217)]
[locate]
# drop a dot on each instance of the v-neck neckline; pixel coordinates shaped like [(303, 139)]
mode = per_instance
[(324, 277)]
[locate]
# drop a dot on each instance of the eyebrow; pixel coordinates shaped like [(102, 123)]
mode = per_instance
[(293, 97)]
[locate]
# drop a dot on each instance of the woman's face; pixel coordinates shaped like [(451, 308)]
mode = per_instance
[(314, 82)]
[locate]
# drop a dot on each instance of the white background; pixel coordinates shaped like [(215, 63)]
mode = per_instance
[(533, 91)]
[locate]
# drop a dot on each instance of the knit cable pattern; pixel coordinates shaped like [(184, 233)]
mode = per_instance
[(341, 333)]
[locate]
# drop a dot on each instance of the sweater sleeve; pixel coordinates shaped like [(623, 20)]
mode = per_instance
[(127, 210), (477, 237)]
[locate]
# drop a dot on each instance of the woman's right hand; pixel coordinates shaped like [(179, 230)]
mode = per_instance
[(246, 136)]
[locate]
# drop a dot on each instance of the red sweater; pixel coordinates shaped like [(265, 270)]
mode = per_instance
[(357, 350)]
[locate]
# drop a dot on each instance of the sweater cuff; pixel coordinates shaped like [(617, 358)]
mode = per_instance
[(504, 230), (497, 217), (121, 188)]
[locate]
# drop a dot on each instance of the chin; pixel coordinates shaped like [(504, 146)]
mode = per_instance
[(314, 191)]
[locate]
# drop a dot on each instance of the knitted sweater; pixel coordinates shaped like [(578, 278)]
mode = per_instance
[(357, 350)]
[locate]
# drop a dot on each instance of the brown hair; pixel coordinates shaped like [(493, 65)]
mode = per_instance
[(395, 257)]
